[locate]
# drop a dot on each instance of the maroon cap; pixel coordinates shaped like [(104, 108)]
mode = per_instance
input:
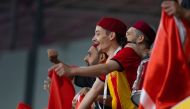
[(113, 25), (146, 30)]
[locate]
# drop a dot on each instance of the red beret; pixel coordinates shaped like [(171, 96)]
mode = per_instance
[(22, 105), (113, 25), (146, 30)]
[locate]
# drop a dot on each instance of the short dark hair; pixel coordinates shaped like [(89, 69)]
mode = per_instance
[(121, 40)]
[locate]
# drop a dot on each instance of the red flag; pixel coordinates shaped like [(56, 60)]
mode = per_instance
[(167, 79), (61, 92), (22, 105)]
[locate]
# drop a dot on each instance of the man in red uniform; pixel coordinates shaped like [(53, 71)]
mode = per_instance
[(142, 35), (120, 67)]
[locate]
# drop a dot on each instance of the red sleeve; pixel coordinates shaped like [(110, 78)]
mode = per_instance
[(126, 58), (129, 61)]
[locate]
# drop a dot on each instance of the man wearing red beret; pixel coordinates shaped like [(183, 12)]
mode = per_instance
[(120, 67), (142, 36)]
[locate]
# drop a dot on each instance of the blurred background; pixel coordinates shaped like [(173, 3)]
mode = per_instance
[(29, 27)]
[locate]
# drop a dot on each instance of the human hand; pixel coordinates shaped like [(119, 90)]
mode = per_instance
[(78, 96), (173, 8), (84, 91), (61, 69), (47, 83), (53, 55), (52, 52)]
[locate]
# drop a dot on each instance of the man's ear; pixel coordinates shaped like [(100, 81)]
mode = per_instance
[(102, 58), (140, 39), (112, 35)]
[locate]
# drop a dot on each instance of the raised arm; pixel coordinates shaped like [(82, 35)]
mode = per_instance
[(94, 70)]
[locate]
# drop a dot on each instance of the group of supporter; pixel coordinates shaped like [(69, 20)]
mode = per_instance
[(116, 61)]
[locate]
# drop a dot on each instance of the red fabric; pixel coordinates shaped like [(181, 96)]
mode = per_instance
[(102, 78), (79, 100), (129, 60), (167, 79), (22, 105), (113, 25), (62, 92), (114, 82), (146, 29), (187, 41)]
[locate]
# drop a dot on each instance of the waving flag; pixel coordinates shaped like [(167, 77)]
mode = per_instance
[(61, 92), (167, 79)]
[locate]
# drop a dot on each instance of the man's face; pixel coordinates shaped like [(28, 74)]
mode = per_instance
[(92, 57), (101, 39), (131, 35)]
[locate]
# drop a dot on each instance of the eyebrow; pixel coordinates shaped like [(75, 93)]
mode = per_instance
[(128, 32), (97, 31)]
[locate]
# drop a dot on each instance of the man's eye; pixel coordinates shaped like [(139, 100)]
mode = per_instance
[(97, 34), (89, 54)]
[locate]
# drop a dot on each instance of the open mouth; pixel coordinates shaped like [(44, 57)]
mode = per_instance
[(95, 44), (87, 63)]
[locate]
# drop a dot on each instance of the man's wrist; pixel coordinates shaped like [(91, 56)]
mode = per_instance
[(73, 71)]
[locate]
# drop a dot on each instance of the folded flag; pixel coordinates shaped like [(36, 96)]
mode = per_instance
[(62, 92)]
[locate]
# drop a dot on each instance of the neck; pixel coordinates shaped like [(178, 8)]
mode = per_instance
[(112, 49), (143, 51), (140, 49)]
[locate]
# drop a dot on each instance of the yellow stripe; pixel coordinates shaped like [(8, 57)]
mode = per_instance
[(185, 104), (111, 89), (123, 89)]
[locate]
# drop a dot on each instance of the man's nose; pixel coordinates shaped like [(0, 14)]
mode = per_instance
[(94, 39), (85, 58)]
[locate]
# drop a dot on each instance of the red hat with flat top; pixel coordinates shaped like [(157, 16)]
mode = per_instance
[(146, 30), (113, 25)]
